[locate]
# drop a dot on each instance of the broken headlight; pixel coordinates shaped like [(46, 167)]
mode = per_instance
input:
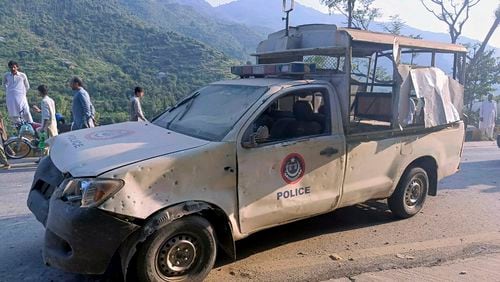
[(90, 192)]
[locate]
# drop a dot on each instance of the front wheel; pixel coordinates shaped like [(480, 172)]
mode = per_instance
[(17, 148), (184, 250), (410, 194)]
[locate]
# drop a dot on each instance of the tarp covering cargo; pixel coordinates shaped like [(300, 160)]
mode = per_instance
[(442, 95)]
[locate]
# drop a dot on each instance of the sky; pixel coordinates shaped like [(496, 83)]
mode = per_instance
[(415, 15)]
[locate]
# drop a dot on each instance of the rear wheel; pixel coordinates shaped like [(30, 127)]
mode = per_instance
[(184, 250), (17, 148), (409, 197)]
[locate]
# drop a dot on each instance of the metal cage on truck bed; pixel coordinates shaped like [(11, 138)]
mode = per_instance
[(379, 77)]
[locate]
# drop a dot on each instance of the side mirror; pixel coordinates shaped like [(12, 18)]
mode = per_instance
[(261, 135)]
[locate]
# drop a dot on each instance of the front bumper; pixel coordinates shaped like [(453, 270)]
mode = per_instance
[(79, 240)]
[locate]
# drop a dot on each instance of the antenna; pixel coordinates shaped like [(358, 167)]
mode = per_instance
[(287, 9)]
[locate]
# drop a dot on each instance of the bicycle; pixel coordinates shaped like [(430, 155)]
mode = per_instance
[(20, 146)]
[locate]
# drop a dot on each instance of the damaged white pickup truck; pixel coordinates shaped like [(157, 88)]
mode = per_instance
[(327, 118)]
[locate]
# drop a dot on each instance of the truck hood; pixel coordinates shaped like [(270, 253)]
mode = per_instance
[(90, 152)]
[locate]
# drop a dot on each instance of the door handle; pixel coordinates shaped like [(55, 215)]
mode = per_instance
[(328, 151)]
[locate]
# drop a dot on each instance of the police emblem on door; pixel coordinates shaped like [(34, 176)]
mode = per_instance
[(292, 168)]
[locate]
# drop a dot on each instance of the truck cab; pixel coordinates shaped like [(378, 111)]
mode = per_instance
[(301, 133)]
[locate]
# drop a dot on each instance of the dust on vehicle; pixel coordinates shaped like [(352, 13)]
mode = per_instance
[(327, 118)]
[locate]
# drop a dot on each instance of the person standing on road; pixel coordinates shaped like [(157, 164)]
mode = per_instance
[(48, 122), (487, 117), (136, 113), (48, 111), (82, 108), (3, 137), (16, 86)]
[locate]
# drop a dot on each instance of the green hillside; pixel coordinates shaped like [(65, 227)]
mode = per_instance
[(235, 40), (112, 50)]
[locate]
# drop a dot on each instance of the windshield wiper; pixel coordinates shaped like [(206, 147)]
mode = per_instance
[(184, 101), (188, 106), (189, 99)]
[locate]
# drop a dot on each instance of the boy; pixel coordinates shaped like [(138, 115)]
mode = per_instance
[(48, 110), (135, 105), (48, 122)]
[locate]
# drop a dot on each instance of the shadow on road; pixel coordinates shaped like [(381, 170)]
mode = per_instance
[(7, 219), (468, 176), (491, 190), (367, 214), (14, 169), (23, 165), (21, 248)]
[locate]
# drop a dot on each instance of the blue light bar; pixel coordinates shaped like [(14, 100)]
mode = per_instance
[(295, 68)]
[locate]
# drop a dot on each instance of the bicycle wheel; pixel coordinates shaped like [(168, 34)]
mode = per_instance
[(17, 148)]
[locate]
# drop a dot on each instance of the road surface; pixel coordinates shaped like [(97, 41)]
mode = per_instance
[(460, 224)]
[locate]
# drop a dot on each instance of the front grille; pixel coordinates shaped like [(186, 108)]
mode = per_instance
[(47, 178), (45, 188)]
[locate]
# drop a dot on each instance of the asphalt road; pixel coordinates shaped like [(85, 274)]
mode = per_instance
[(461, 222)]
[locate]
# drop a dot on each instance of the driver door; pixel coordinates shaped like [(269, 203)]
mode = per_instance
[(297, 170)]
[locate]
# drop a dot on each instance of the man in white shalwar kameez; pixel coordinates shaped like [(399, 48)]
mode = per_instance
[(16, 86), (487, 117)]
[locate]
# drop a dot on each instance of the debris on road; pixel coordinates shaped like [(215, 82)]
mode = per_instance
[(335, 257), (402, 256)]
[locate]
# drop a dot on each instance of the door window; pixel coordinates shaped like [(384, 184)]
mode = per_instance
[(295, 115)]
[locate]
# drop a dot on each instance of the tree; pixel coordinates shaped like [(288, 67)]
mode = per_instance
[(452, 12), (482, 69), (493, 27), (481, 76), (395, 25), (360, 17)]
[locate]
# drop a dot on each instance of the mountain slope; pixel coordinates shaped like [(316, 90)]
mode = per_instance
[(195, 19), (110, 48), (269, 14)]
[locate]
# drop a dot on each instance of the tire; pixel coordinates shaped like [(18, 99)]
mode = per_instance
[(17, 148), (161, 256), (410, 194)]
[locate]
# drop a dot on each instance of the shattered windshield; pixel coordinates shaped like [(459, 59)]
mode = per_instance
[(211, 112)]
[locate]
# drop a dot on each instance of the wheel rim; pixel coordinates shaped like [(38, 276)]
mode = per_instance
[(177, 255), (415, 190), (17, 149)]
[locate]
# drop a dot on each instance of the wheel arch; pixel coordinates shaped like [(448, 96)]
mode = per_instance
[(429, 164), (214, 214)]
